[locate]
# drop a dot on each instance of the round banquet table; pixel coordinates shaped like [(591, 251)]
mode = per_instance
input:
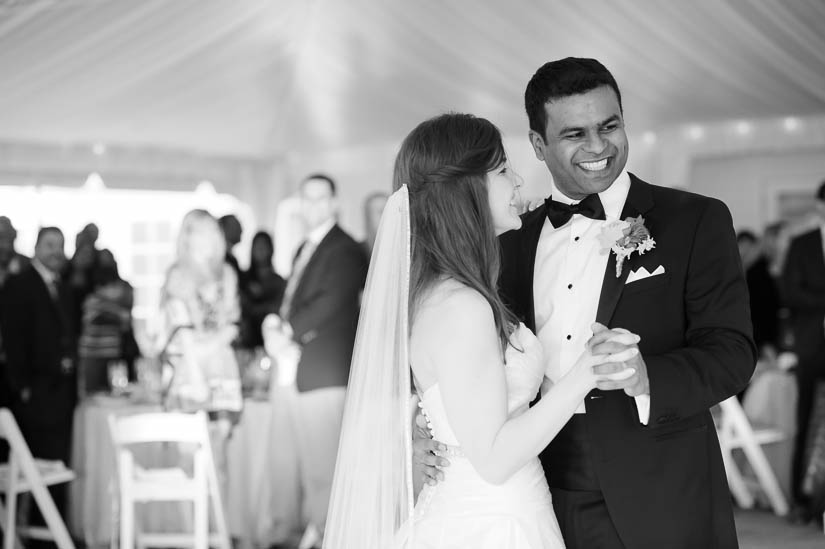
[(262, 499)]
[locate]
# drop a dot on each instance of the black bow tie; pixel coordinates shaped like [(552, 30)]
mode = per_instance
[(559, 213)]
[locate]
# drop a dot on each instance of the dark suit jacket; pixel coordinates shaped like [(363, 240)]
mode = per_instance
[(325, 308), (38, 334), (803, 287), (664, 484), (764, 303)]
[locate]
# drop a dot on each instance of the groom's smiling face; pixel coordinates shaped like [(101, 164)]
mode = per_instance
[(585, 145)]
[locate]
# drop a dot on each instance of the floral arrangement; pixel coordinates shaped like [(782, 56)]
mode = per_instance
[(625, 237)]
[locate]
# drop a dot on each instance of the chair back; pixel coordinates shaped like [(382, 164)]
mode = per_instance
[(23, 474), (160, 427), (11, 433)]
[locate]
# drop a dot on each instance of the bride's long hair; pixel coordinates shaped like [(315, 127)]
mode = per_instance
[(444, 162)]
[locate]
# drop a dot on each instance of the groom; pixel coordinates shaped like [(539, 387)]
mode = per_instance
[(639, 466)]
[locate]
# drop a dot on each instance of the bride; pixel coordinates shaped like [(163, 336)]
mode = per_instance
[(430, 306)]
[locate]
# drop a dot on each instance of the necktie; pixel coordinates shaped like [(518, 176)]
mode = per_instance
[(304, 255), (559, 213)]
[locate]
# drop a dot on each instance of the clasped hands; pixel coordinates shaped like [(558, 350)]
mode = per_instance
[(428, 457)]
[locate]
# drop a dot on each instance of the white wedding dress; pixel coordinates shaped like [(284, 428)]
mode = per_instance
[(465, 512)]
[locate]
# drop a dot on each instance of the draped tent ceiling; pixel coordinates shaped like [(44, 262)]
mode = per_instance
[(257, 78)]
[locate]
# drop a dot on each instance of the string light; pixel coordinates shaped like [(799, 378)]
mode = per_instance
[(649, 138), (94, 182), (696, 132), (791, 124)]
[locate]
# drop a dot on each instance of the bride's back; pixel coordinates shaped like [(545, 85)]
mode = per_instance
[(434, 320)]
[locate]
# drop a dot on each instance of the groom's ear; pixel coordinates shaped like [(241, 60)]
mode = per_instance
[(538, 144)]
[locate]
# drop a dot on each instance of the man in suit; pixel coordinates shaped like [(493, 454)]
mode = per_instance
[(40, 344), (639, 466), (11, 263), (803, 286), (321, 307)]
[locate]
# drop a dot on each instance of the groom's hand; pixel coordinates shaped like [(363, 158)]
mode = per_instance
[(600, 343), (426, 464)]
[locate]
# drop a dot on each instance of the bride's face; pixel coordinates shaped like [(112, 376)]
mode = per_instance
[(505, 201)]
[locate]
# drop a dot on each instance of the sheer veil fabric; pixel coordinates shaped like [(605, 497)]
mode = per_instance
[(372, 492)]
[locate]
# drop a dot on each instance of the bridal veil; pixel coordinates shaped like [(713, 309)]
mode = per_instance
[(372, 492)]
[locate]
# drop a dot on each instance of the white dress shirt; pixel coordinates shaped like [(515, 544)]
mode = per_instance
[(567, 283)]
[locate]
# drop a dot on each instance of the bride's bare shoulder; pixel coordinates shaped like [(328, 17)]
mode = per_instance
[(449, 302)]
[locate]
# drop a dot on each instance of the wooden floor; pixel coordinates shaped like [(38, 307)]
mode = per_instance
[(764, 530)]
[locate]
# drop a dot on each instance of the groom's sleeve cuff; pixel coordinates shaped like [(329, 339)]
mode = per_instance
[(643, 406)]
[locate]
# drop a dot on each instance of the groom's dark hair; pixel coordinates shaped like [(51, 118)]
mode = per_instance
[(563, 78)]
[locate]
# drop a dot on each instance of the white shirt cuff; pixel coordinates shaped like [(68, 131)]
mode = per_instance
[(643, 405)]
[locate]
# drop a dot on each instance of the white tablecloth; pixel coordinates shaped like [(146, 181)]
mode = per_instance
[(263, 490), (263, 494)]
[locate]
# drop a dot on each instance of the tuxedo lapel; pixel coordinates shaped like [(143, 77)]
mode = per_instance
[(531, 230), (639, 201)]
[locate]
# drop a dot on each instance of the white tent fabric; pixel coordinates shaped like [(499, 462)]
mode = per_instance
[(257, 78)]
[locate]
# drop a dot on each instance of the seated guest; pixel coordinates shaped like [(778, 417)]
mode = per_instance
[(262, 290), (803, 288), (106, 325), (40, 348)]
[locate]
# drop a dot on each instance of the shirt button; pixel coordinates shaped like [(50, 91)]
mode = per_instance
[(569, 337), (576, 239), (569, 286)]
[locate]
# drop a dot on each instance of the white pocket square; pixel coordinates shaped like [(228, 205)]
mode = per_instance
[(642, 273)]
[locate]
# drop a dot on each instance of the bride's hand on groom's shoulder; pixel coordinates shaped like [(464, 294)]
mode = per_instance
[(529, 204), (613, 342)]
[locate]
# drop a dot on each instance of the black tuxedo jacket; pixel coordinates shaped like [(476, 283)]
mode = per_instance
[(804, 292), (38, 335), (664, 483), (325, 308)]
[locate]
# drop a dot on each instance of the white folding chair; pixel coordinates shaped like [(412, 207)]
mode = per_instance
[(137, 484), (735, 431), (23, 473)]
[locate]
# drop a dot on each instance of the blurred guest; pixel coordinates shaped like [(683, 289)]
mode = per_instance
[(321, 310), (78, 271), (200, 308), (40, 347), (775, 247), (373, 208), (88, 236), (262, 290), (232, 232), (775, 242), (106, 325), (804, 293), (11, 263), (764, 294)]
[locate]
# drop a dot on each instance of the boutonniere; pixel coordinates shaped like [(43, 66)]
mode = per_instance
[(625, 237)]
